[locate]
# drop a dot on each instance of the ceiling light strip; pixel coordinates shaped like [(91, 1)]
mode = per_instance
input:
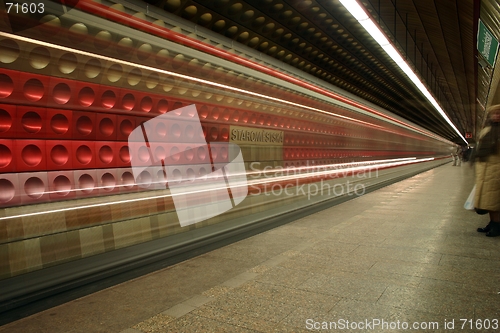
[(360, 15)]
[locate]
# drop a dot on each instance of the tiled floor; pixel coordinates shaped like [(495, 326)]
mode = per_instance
[(407, 253)]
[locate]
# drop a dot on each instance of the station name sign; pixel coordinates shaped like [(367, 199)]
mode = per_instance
[(487, 44), (258, 136)]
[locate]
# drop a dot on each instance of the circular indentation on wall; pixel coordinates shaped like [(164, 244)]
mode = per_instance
[(50, 25), (162, 106), (59, 155), (86, 183), (31, 122), (182, 90), (190, 175), (261, 120), (236, 116), (189, 112), (77, 33), (201, 153), (84, 125), (176, 130), (202, 174), (224, 133), (108, 181), (203, 113), (152, 80), (59, 123), (7, 191), (168, 84), (231, 31), (124, 46), (128, 101), (67, 63), (5, 121), (161, 176), (176, 176), (128, 179), (134, 77), (178, 61), (34, 187), (214, 133), (61, 93), (223, 153), (84, 154), (189, 153), (102, 39), (189, 12), (146, 104), (161, 129), (92, 68), (33, 90), (114, 73), (108, 99), (219, 25), (205, 19), (144, 51), (31, 155), (144, 179), (126, 127), (253, 119), (213, 152), (9, 51), (226, 114), (162, 56), (215, 113), (5, 156), (189, 131), (39, 57), (106, 126), (62, 185), (176, 109), (174, 153), (244, 118), (124, 154), (160, 153), (6, 86), (86, 96), (105, 154), (143, 154)]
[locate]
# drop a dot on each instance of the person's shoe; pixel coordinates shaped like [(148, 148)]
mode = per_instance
[(485, 229), (494, 229)]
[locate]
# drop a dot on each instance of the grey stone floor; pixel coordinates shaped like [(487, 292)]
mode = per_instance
[(407, 253)]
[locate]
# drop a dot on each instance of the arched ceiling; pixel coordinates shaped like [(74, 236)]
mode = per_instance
[(321, 38)]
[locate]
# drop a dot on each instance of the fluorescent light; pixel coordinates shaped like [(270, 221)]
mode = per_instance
[(375, 32), (359, 14), (357, 11)]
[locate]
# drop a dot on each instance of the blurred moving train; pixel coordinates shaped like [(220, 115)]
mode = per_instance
[(76, 80)]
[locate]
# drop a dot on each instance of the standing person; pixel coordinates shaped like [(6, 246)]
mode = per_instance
[(487, 163), (457, 156)]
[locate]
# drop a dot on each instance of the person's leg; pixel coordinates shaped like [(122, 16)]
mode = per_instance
[(495, 216), (494, 224), (489, 225)]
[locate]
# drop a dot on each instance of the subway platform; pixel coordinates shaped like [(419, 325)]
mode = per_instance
[(404, 257)]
